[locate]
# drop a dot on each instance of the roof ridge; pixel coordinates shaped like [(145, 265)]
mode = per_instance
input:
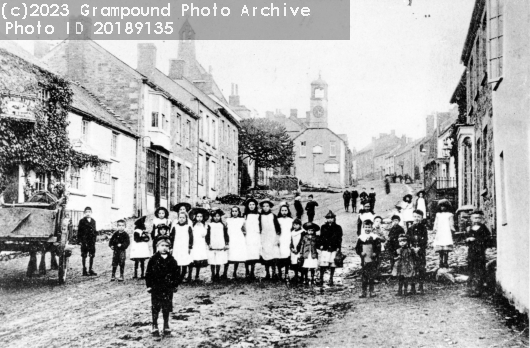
[(104, 106)]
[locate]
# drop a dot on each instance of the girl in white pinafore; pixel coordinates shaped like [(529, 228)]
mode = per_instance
[(286, 225), (296, 237), (199, 250), (237, 248), (443, 228), (270, 238), (161, 218), (182, 244), (140, 246), (252, 237), (217, 240)]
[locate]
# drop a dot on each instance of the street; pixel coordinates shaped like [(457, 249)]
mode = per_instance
[(94, 312)]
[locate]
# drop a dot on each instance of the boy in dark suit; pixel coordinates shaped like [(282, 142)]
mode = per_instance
[(478, 237), (119, 242), (86, 236), (419, 239)]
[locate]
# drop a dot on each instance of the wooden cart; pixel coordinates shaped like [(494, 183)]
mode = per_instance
[(38, 225)]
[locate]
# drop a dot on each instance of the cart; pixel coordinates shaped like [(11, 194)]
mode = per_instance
[(38, 225)]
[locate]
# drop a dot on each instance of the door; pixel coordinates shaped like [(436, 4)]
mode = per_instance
[(179, 182), (157, 181), (172, 188)]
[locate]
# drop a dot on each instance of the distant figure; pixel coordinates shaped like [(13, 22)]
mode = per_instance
[(354, 196), (387, 185), (363, 196), (310, 208), (346, 196), (298, 206), (371, 199), (421, 203)]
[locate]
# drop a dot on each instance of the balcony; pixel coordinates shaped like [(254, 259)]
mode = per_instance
[(443, 183)]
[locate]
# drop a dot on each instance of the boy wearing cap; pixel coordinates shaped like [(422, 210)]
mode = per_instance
[(310, 208), (161, 279), (477, 240), (368, 247), (87, 235), (419, 238)]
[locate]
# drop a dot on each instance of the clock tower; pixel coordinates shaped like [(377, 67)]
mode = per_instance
[(318, 114)]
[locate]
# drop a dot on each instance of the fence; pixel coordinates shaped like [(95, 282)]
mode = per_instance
[(445, 183)]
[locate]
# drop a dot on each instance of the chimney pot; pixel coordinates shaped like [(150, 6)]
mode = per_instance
[(294, 113)]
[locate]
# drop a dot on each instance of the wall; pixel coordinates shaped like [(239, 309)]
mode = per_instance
[(511, 115)]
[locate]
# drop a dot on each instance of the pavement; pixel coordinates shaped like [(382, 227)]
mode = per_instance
[(94, 312)]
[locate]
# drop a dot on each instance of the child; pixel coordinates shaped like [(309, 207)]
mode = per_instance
[(393, 238), (286, 224), (183, 207), (421, 203), (206, 203), (477, 240), (419, 238), (368, 247), (308, 251), (298, 206), (119, 242), (252, 236), (218, 241), (346, 196), (364, 197), (404, 267), (329, 243), (182, 238), (407, 207), (371, 199), (270, 238), (237, 249), (199, 250), (354, 196), (87, 236), (310, 208), (297, 233), (443, 228), (161, 218), (365, 213), (378, 231), (140, 246), (161, 280)]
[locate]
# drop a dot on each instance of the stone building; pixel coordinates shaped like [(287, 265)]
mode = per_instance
[(379, 148)]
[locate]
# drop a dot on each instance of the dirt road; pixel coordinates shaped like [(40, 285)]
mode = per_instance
[(93, 312)]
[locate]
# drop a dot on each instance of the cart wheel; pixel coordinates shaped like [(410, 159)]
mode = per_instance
[(63, 266)]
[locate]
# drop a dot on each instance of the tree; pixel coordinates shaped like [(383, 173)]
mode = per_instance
[(267, 143)]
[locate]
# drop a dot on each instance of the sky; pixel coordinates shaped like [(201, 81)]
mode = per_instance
[(398, 67)]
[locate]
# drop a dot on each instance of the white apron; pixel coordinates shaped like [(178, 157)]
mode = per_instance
[(443, 225), (181, 245), (296, 237), (408, 212), (269, 239), (285, 238), (140, 250), (253, 239), (217, 241), (421, 206), (237, 251), (199, 251)]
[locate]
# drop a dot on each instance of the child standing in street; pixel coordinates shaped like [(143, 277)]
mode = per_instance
[(407, 214), (119, 242), (368, 247), (477, 240), (182, 238), (419, 239), (393, 238), (237, 249), (140, 247), (286, 225), (87, 236), (443, 228), (199, 250), (297, 234), (310, 208), (365, 213), (329, 243), (252, 236), (308, 251), (161, 280), (298, 206), (218, 241), (161, 218), (404, 267), (270, 238)]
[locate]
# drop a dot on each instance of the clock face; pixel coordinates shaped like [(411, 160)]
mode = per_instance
[(318, 111)]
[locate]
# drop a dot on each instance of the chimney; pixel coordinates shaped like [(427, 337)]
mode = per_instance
[(294, 113), (176, 69), (146, 57), (233, 99), (41, 48), (429, 125)]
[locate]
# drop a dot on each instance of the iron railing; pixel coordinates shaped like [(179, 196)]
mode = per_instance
[(445, 183)]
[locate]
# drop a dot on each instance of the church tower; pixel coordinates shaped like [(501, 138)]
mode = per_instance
[(318, 114)]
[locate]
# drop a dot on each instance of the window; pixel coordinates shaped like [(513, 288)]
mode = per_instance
[(228, 135), (154, 107), (188, 134), (163, 176), (207, 129), (43, 94), (114, 185), (317, 149), (114, 145), (222, 132), (495, 38), (504, 216), (332, 148), (235, 140), (151, 167), (201, 126), (164, 122), (75, 177), (214, 134), (159, 111), (187, 181), (102, 174), (178, 129), (213, 175), (201, 170), (40, 182), (302, 149), (84, 130)]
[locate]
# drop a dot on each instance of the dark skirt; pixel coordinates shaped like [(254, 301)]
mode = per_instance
[(199, 263), (284, 262)]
